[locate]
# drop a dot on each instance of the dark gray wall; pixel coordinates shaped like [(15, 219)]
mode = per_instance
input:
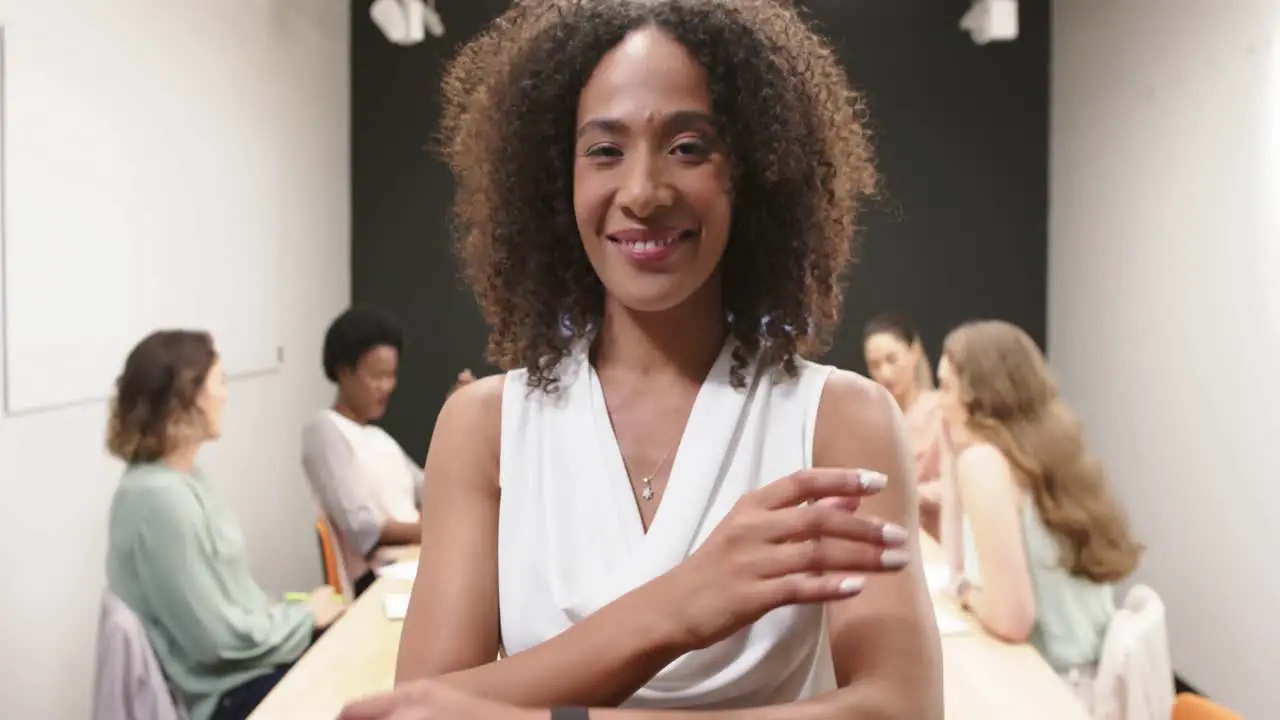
[(962, 138)]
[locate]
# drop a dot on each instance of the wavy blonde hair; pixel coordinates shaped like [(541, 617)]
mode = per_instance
[(156, 406), (1013, 404)]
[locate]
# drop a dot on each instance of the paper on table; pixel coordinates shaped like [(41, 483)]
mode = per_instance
[(395, 605), (949, 623), (404, 570)]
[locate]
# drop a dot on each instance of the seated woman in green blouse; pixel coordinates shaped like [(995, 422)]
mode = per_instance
[(175, 554), (1032, 530)]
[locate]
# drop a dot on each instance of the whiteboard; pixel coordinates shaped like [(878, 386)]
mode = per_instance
[(140, 173)]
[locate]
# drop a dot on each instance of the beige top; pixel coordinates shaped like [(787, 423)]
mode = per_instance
[(362, 479)]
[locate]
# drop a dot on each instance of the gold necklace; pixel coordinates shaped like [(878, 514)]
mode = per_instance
[(646, 482)]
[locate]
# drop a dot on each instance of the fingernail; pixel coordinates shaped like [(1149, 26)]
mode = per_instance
[(851, 585), (894, 559), (872, 481), (894, 534)]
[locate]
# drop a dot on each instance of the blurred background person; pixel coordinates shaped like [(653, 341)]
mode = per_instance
[(1041, 538), (368, 488), (175, 553), (896, 359)]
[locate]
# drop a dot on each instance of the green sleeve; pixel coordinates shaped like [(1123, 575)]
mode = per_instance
[(211, 608)]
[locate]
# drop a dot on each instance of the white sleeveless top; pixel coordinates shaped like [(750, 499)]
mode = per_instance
[(571, 540)]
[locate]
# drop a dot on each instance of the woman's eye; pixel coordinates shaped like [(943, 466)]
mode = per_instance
[(690, 148), (603, 151)]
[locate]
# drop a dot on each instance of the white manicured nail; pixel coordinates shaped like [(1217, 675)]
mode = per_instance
[(894, 559), (893, 534), (872, 481), (851, 585)]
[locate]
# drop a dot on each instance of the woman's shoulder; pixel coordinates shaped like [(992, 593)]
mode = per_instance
[(466, 442), (983, 468), (981, 455), (853, 392), (474, 411), (854, 405), (482, 395), (324, 423), (152, 479), (152, 495)]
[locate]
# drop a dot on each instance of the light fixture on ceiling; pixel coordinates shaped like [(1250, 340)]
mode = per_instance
[(407, 22), (991, 21)]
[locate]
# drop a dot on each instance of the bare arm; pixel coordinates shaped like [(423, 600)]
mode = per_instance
[(395, 532), (951, 512), (1005, 604), (451, 631), (888, 656), (885, 643)]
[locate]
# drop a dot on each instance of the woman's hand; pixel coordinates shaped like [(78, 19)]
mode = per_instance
[(326, 606), (793, 541), (432, 700)]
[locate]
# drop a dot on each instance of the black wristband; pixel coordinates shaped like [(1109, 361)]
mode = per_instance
[(569, 713)]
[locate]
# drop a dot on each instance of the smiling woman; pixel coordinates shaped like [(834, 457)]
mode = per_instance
[(768, 92), (657, 507)]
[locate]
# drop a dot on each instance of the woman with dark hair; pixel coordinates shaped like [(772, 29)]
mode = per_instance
[(367, 486), (896, 359), (1037, 538), (175, 553), (661, 507)]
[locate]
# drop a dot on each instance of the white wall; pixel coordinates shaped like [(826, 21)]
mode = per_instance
[(1164, 319), (56, 479)]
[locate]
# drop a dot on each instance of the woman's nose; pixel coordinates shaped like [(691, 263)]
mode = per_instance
[(646, 188)]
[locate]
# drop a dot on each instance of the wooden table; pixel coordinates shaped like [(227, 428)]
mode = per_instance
[(988, 679), (353, 658), (985, 679)]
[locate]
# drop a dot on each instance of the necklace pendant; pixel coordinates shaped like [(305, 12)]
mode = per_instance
[(647, 491)]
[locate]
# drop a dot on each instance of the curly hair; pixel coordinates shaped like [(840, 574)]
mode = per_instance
[(354, 333), (800, 153), (155, 406), (1013, 404)]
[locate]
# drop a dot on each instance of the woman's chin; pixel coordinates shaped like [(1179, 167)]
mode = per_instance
[(648, 293)]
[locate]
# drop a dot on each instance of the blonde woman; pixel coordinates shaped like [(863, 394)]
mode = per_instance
[(175, 554), (896, 360), (1038, 537)]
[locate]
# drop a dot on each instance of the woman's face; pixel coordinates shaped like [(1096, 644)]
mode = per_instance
[(212, 399), (951, 398), (651, 176), (366, 388), (892, 362)]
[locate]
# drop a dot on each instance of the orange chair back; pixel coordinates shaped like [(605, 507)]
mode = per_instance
[(328, 554), (1189, 706)]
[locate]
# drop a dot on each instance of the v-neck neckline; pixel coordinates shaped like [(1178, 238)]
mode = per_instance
[(686, 457), (705, 451)]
